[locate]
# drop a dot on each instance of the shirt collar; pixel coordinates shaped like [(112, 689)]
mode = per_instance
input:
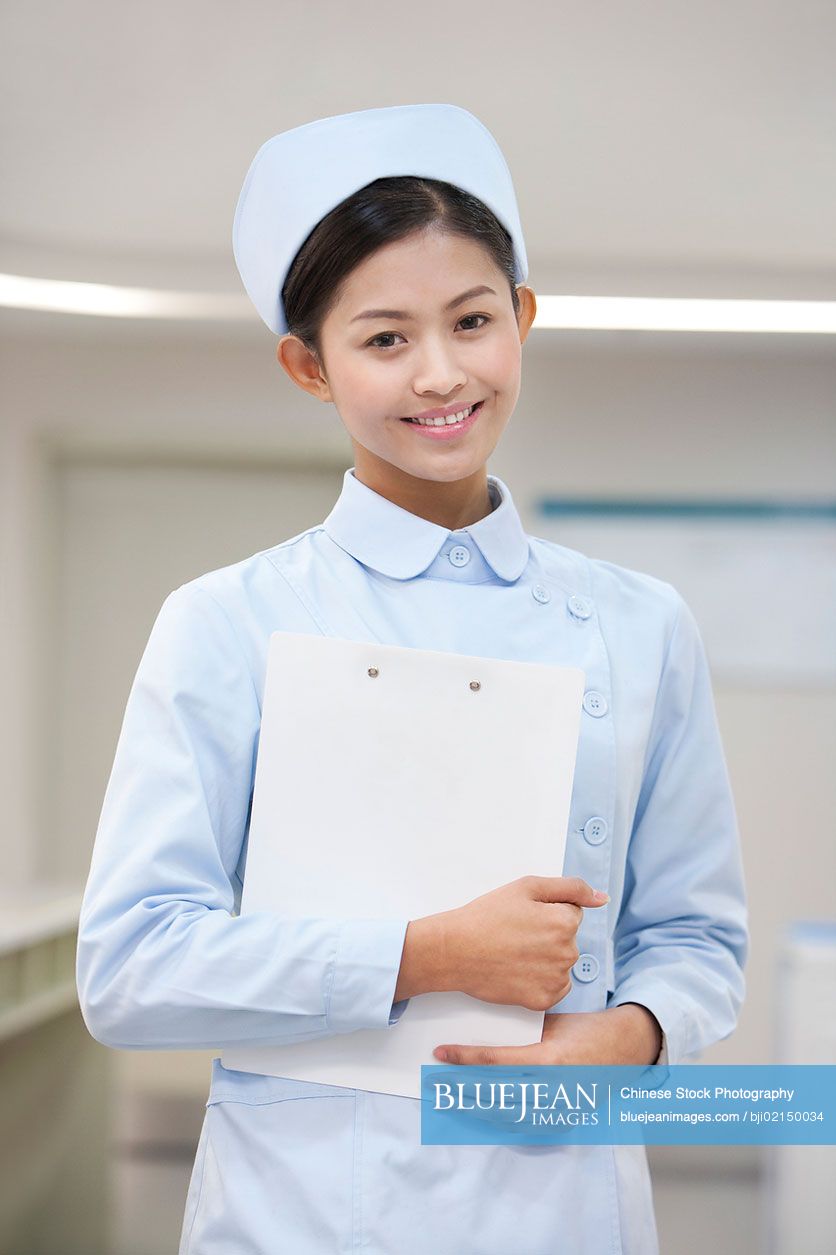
[(400, 544)]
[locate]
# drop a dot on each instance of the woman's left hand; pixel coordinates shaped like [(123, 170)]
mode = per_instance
[(620, 1035)]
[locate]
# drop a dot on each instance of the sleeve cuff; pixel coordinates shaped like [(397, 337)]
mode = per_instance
[(365, 975), (664, 1018), (398, 1009)]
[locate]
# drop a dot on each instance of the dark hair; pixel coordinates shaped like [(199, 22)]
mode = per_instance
[(386, 210)]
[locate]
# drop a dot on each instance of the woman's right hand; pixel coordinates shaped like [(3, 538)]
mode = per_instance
[(514, 945)]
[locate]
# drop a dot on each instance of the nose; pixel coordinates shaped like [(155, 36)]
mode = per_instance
[(438, 373)]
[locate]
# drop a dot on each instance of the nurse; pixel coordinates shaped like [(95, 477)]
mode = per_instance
[(385, 250)]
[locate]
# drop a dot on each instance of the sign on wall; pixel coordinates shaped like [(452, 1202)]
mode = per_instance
[(760, 577)]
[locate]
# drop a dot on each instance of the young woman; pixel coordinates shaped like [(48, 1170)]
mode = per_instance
[(385, 250)]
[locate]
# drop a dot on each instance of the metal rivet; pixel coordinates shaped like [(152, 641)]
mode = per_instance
[(475, 685), (373, 671)]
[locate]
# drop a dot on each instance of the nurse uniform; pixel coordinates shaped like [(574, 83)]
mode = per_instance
[(166, 963)]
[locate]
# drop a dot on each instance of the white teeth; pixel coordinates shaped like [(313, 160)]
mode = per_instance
[(444, 422)]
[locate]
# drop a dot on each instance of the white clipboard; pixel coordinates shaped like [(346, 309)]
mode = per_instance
[(393, 783)]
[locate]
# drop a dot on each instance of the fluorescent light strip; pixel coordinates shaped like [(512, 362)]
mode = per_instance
[(60, 296), (641, 313), (554, 313)]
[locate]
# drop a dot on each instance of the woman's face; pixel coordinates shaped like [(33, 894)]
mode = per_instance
[(410, 333)]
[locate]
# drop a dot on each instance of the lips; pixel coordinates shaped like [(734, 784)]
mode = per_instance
[(445, 431), (442, 418), (445, 412)]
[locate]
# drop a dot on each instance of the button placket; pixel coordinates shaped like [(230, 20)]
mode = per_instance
[(590, 843), (593, 934), (563, 594)]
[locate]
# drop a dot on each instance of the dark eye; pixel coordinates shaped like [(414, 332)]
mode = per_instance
[(485, 319), (384, 335), (375, 343)]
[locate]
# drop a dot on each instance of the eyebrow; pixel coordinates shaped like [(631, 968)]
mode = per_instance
[(399, 314)]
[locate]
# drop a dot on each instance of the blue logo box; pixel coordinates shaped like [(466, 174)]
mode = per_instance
[(697, 1104)]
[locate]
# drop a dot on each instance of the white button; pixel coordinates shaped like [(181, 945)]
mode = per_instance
[(586, 968), (459, 556), (579, 607), (595, 704), (595, 830), (540, 593)]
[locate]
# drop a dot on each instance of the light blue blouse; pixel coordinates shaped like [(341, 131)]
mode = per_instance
[(165, 963)]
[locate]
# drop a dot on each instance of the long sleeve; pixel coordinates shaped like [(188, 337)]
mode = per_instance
[(163, 961), (681, 939)]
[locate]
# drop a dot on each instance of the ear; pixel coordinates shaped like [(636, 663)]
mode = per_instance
[(303, 367), (528, 309)]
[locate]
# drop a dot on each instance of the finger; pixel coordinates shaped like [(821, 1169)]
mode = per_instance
[(567, 889), (486, 1056)]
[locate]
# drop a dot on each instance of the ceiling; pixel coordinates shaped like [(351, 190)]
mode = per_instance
[(672, 147)]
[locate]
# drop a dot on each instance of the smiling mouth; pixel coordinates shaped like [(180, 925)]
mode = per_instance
[(450, 421)]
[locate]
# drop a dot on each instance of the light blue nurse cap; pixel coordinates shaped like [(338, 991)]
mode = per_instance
[(299, 176)]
